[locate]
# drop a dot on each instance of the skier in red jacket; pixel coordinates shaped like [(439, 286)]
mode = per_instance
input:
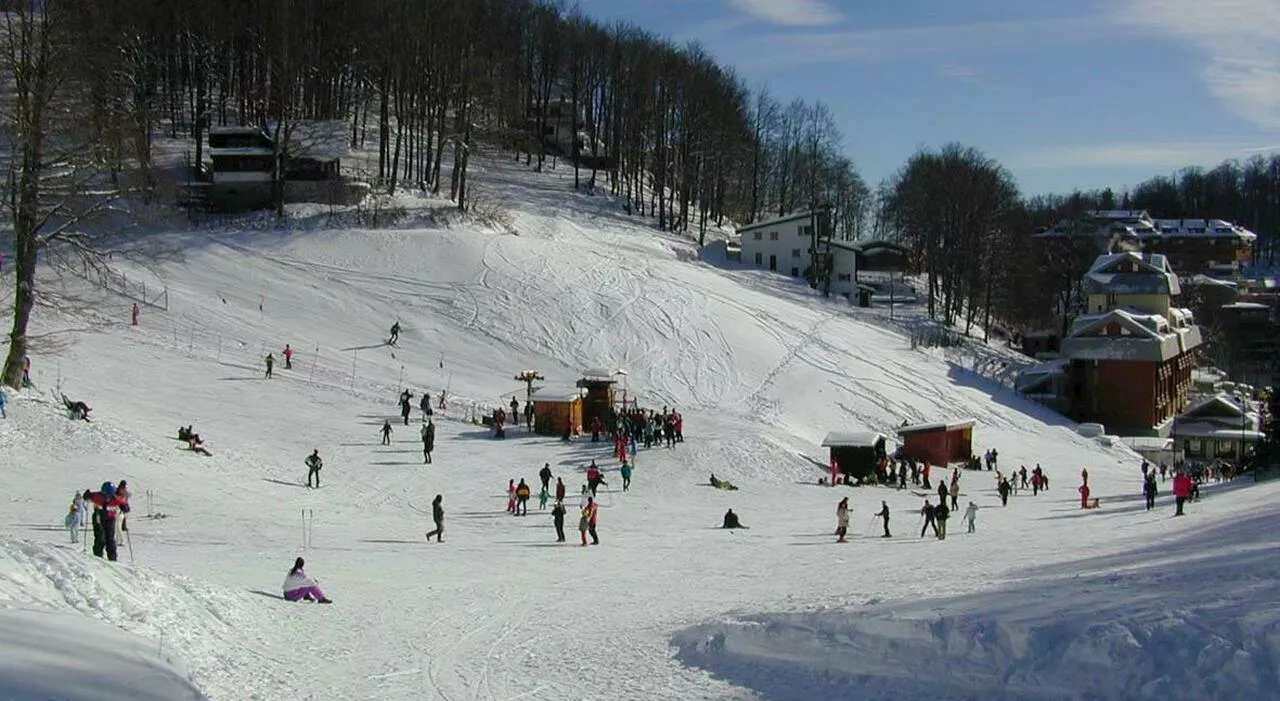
[(1182, 487), (107, 504)]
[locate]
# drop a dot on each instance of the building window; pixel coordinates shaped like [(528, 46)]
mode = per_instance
[(795, 272), (795, 253), (756, 236), (806, 231), (759, 259), (844, 277), (773, 236)]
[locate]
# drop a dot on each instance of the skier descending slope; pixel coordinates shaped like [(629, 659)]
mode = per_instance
[(395, 334)]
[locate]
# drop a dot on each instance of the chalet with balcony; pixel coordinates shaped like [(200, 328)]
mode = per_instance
[(1127, 361)]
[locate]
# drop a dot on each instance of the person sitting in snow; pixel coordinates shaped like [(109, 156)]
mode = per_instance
[(77, 410), (299, 587), (722, 484), (731, 520)]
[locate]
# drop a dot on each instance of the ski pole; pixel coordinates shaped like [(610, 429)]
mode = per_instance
[(128, 540)]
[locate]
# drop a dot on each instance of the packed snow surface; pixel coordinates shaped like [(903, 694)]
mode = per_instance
[(1045, 601)]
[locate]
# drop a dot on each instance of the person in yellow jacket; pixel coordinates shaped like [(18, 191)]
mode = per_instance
[(587, 523)]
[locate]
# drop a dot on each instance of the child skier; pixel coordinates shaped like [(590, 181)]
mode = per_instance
[(271, 361), (626, 475), (386, 432), (842, 519), (72, 521)]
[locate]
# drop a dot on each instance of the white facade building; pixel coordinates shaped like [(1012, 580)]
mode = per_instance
[(783, 244)]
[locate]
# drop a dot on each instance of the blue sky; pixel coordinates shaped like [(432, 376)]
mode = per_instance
[(1066, 93)]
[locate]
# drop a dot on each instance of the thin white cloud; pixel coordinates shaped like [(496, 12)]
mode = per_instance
[(1148, 155), (792, 49), (791, 13), (1238, 39)]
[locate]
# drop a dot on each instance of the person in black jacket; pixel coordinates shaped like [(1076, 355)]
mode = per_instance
[(428, 441), (884, 514), (1004, 490), (940, 516), (557, 514), (437, 515), (731, 520), (545, 475), (929, 515)]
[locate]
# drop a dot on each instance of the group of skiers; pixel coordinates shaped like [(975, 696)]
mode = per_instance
[(110, 504), (518, 495)]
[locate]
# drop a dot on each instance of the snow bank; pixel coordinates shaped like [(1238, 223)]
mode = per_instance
[(1188, 626), (46, 654), (75, 627)]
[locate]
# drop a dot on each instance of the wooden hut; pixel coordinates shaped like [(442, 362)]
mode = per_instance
[(553, 406), (599, 400), (938, 443), (856, 453)]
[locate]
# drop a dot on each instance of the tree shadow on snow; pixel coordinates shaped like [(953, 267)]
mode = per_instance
[(241, 379), (371, 346), (390, 541), (285, 483), (391, 463)]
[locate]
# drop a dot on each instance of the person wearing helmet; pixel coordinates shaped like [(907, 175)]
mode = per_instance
[(107, 505)]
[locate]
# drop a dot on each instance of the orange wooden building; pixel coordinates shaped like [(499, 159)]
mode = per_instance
[(553, 406), (938, 443)]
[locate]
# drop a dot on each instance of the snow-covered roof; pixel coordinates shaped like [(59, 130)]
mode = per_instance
[(1146, 337), (1245, 305), (1217, 405), (1206, 280), (1138, 224), (556, 393), (934, 427), (852, 439), (242, 151), (1129, 272), (1198, 429), (1053, 367), (597, 374), (778, 220), (323, 140)]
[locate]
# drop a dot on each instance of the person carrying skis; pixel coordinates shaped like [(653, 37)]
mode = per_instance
[(731, 520), (428, 441), (557, 516), (437, 515), (106, 507), (884, 514), (288, 356), (971, 515), (545, 475), (940, 515), (587, 524), (395, 334), (299, 587), (626, 475), (522, 499), (313, 463), (271, 361), (386, 432), (842, 519), (928, 512)]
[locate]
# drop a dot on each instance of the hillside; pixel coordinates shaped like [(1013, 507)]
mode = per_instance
[(760, 368)]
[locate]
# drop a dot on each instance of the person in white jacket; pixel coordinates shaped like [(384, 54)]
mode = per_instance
[(298, 586), (842, 519), (970, 514)]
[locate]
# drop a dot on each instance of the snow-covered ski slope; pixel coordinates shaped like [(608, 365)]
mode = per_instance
[(1044, 602)]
